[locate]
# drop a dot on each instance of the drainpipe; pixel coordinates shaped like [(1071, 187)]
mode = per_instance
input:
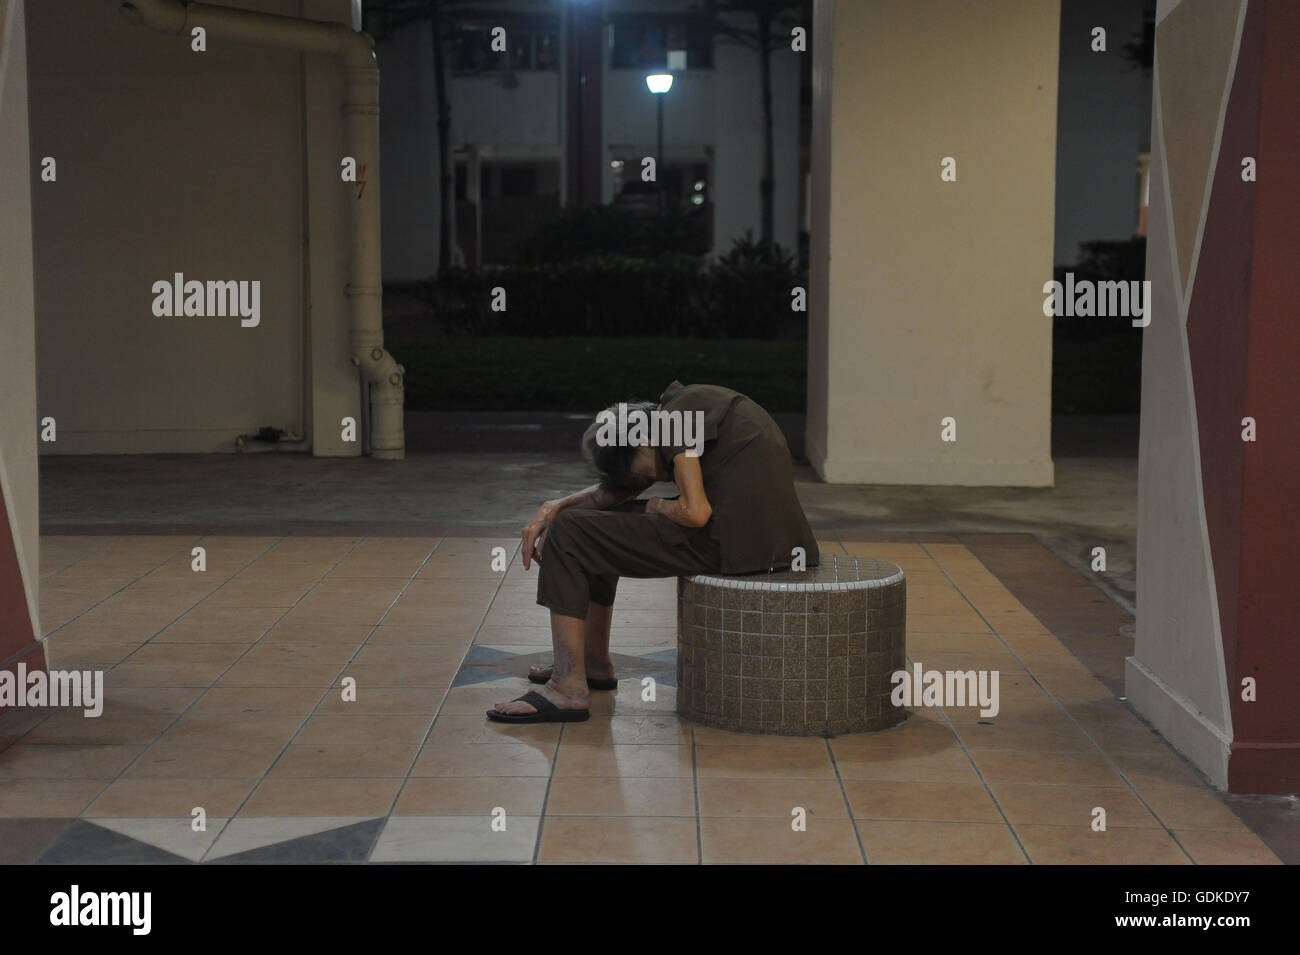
[(361, 109)]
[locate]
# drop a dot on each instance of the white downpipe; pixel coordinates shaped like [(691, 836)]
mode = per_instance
[(361, 112)]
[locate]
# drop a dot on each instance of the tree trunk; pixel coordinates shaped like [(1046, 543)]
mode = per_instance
[(446, 174), (766, 184)]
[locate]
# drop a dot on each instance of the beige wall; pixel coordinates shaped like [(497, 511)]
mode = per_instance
[(926, 296), (175, 161), (17, 315)]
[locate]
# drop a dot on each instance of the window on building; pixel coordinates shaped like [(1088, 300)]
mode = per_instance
[(643, 42), (531, 44)]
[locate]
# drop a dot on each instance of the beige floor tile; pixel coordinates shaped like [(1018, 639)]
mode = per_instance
[(245, 674), (934, 802), (440, 636), (1186, 808), (768, 841), (247, 760), (1061, 769), (409, 614), (798, 759), (619, 839), (170, 798), (924, 645), (364, 728), (164, 674), (136, 700), (446, 656), (507, 759), (382, 674), (456, 729), (904, 765), (209, 654), (322, 797), (946, 623), (1207, 847), (87, 653), (922, 735), (622, 796), (735, 797), (478, 796), (709, 736), (254, 700), (1058, 845), (239, 622), (623, 760), (1071, 806), (373, 760), (349, 636), (232, 729), (667, 729), (47, 798), (906, 842), (381, 700), (66, 760), (111, 727), (1055, 736), (1155, 769)]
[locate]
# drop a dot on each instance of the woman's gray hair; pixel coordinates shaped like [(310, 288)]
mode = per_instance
[(613, 461)]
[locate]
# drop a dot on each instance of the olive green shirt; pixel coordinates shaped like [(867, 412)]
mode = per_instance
[(748, 478)]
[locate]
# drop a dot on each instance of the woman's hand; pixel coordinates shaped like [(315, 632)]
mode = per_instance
[(534, 532)]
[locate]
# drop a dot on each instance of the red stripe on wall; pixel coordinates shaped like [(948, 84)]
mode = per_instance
[(1266, 749), (1218, 332)]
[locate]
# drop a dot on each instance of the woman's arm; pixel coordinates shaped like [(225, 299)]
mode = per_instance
[(600, 498), (692, 509)]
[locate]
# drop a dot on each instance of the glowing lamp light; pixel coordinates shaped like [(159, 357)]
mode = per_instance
[(659, 82)]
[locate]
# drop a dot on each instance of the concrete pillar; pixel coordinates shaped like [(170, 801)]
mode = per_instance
[(331, 379), (19, 515), (926, 296), (1216, 664)]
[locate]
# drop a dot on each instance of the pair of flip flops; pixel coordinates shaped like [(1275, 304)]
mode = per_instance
[(547, 712)]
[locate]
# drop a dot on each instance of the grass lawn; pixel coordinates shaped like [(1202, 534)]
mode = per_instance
[(582, 374)]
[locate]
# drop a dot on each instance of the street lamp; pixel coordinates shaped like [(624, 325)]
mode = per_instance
[(659, 84)]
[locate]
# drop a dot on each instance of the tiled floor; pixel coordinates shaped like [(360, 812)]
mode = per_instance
[(225, 699)]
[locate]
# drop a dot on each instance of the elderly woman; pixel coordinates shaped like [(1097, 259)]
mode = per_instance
[(737, 513)]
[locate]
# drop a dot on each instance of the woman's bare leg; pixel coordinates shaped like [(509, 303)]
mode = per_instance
[(567, 687), (596, 646)]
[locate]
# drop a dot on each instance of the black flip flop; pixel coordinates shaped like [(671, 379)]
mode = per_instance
[(593, 683), (547, 712)]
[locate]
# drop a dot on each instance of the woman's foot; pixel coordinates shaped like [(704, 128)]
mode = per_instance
[(602, 670), (575, 700)]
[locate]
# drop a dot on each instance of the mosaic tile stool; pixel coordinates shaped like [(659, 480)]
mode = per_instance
[(793, 653)]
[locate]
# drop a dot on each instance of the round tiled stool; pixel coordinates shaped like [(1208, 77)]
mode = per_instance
[(794, 653)]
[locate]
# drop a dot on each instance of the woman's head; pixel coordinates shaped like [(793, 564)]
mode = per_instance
[(621, 466)]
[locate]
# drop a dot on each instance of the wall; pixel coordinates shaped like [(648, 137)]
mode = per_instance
[(19, 524), (176, 161), (927, 295), (1218, 521)]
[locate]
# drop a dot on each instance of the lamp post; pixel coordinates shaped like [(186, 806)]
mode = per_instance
[(659, 84)]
